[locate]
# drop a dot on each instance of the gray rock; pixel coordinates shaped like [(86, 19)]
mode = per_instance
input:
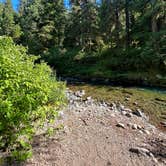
[(120, 125)]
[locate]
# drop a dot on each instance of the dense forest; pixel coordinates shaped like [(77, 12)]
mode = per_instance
[(116, 39), (110, 40)]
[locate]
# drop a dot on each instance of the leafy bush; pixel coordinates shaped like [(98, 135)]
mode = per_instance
[(29, 95)]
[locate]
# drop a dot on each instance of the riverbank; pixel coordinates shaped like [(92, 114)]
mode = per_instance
[(90, 132), (151, 101)]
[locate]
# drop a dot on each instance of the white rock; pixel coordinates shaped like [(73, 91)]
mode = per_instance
[(140, 131), (89, 98), (147, 132)]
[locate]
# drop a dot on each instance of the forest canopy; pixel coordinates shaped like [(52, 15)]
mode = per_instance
[(93, 38)]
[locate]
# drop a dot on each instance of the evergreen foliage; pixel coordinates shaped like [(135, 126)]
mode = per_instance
[(42, 23), (8, 25)]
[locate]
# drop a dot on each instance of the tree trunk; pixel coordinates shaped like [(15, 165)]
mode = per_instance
[(117, 24), (127, 23), (154, 29)]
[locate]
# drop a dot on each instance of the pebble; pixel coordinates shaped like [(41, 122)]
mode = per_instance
[(129, 124), (135, 103), (123, 112), (89, 98), (113, 105), (120, 125), (66, 130), (139, 150), (140, 131), (139, 127), (138, 112), (129, 115), (127, 110), (146, 132), (79, 93), (61, 114), (112, 115), (163, 124), (121, 107), (127, 99), (134, 126)]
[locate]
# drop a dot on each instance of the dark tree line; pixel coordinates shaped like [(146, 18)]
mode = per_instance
[(89, 25)]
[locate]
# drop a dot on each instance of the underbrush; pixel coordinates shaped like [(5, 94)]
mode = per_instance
[(134, 64), (29, 96)]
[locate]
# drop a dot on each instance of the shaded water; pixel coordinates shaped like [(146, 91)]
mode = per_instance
[(77, 81)]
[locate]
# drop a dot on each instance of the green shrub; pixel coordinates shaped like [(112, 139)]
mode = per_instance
[(29, 95)]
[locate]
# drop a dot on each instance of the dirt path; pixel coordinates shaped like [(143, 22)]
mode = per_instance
[(100, 134)]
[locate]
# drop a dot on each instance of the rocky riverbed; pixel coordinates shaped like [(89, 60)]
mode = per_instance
[(93, 133)]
